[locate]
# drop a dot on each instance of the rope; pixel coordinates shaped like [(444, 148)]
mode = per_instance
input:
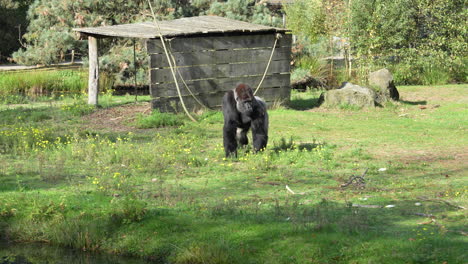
[(170, 63), (277, 36), (135, 72)]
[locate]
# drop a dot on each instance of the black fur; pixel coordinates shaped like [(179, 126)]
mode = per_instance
[(242, 111)]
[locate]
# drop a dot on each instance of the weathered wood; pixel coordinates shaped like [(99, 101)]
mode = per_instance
[(219, 71), (93, 81), (172, 104), (202, 87), (191, 44), (221, 56), (270, 94), (212, 66), (201, 25)]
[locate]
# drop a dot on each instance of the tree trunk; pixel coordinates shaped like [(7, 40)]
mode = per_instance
[(93, 81)]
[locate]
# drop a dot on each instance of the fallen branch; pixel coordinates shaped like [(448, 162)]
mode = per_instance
[(433, 221), (366, 205), (425, 215), (359, 180), (442, 201), (147, 110), (116, 118), (292, 192)]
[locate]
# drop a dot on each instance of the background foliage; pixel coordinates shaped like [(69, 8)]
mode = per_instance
[(50, 37), (422, 42), (12, 22)]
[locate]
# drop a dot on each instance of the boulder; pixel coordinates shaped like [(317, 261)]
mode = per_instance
[(382, 80), (350, 94)]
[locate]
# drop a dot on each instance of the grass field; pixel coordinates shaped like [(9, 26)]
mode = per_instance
[(86, 178)]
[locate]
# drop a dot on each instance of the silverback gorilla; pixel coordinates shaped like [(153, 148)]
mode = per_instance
[(242, 110)]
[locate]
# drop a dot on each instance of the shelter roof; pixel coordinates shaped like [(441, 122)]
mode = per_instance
[(189, 26)]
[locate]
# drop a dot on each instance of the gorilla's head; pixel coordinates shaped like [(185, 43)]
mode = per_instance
[(244, 98)]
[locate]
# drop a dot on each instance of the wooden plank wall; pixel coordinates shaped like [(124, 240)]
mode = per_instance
[(210, 66)]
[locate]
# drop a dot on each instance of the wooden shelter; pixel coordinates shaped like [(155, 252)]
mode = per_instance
[(212, 55)]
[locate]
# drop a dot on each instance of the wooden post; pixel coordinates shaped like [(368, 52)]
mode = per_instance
[(93, 81)]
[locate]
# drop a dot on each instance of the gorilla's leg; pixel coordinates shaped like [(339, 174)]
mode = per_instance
[(242, 136), (259, 134), (260, 127), (229, 139)]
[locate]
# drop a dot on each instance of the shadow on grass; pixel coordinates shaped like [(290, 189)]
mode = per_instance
[(414, 103), (285, 145), (304, 104), (35, 253), (320, 229), (288, 230)]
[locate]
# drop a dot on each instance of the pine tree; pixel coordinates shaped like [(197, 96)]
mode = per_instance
[(12, 24)]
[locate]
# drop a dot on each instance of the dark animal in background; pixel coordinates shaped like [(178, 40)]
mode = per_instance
[(242, 111)]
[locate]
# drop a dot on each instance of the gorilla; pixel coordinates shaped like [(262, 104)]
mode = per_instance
[(242, 110)]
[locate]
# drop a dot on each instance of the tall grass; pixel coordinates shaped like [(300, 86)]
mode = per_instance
[(37, 83), (24, 86)]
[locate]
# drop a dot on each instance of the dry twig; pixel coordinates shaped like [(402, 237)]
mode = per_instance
[(367, 206), (442, 201), (293, 192), (359, 180), (425, 215)]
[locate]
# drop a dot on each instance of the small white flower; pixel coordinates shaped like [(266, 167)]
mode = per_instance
[(382, 169), (390, 206), (417, 204)]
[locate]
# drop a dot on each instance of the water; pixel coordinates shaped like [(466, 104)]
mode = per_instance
[(32, 253)]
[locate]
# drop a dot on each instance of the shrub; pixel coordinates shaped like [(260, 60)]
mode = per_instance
[(158, 119), (79, 108)]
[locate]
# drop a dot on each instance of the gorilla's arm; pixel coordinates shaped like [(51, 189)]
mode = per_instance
[(231, 121)]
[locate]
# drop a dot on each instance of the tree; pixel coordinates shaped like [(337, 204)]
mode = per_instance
[(50, 37), (316, 21), (12, 24), (306, 18), (423, 34)]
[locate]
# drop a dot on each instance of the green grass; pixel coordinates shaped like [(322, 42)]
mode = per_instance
[(158, 119), (168, 194)]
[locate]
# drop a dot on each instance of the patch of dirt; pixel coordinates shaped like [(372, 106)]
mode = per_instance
[(434, 95), (116, 119), (455, 158)]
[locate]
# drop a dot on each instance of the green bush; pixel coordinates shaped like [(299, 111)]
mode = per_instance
[(316, 67), (79, 108), (434, 76)]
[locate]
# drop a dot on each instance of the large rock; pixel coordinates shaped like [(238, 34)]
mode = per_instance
[(350, 94), (382, 80)]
